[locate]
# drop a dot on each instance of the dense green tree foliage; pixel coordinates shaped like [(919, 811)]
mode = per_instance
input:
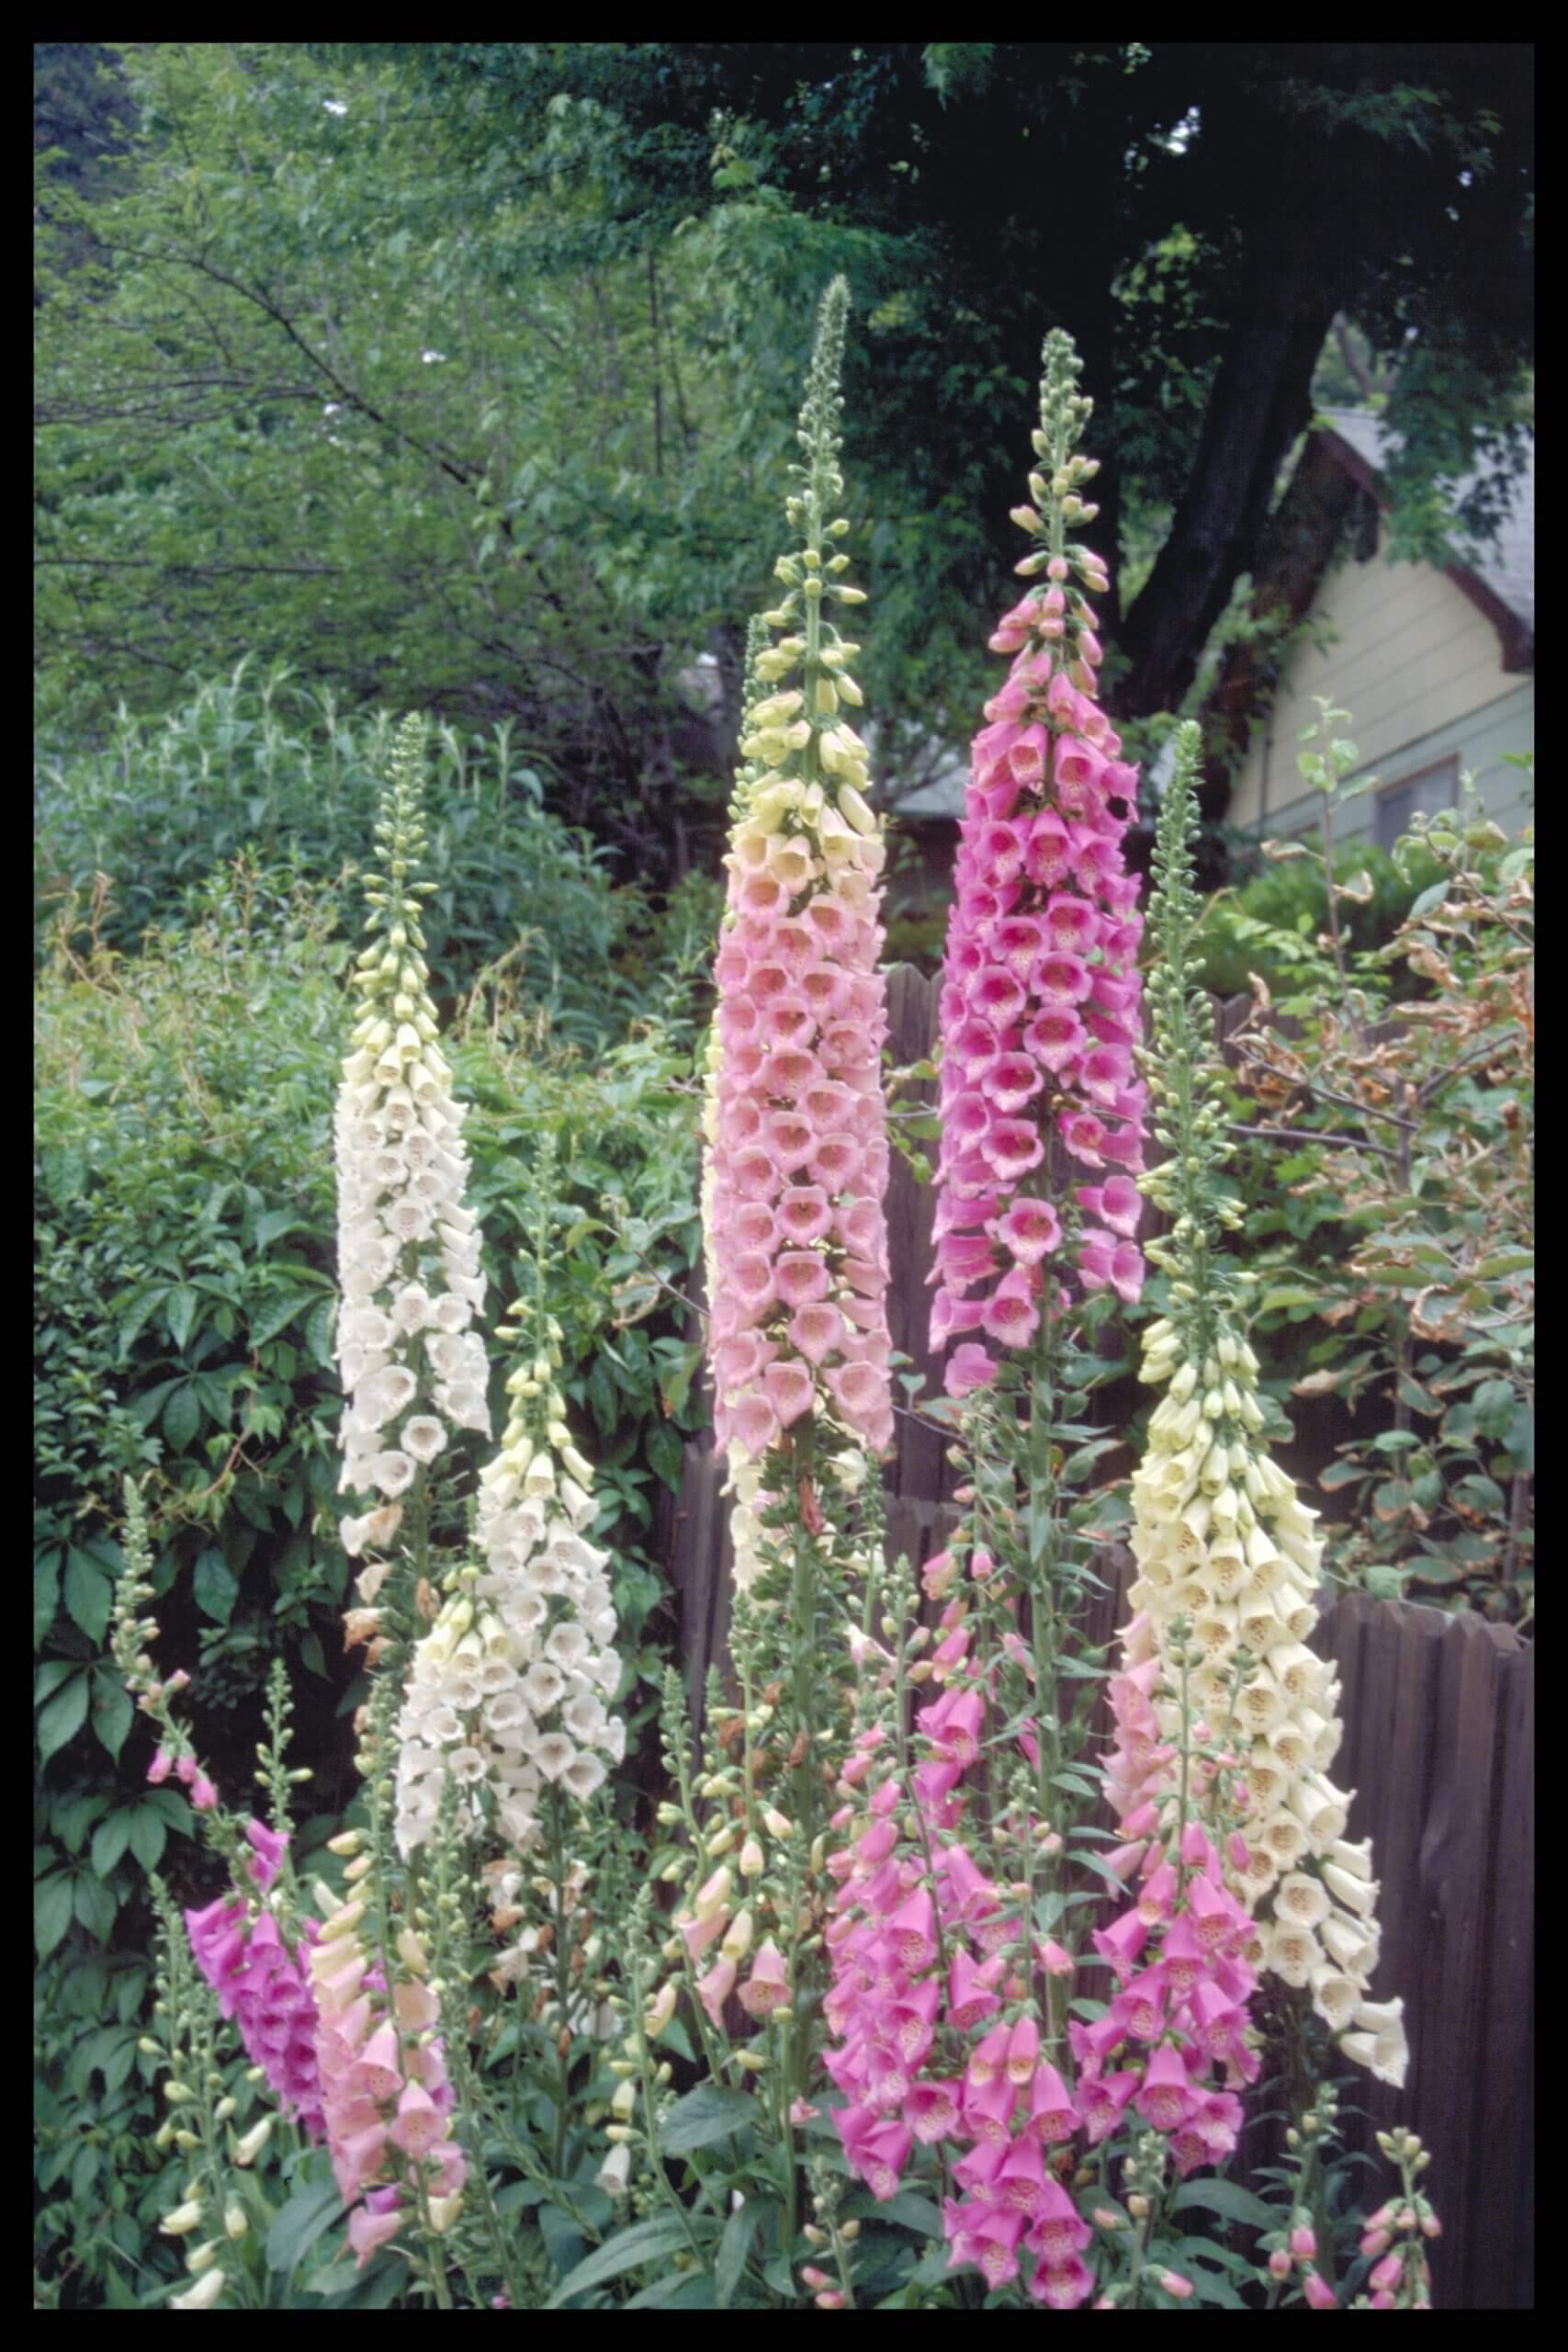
[(449, 372)]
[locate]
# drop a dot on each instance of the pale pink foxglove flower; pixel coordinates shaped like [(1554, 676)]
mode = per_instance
[(796, 1124)]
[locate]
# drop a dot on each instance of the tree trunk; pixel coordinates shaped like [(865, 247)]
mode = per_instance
[(1295, 548), (1261, 400)]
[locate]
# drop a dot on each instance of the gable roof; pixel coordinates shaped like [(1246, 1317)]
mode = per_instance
[(1500, 577)]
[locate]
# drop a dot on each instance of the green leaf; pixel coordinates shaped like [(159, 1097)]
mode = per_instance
[(675, 1379), (111, 1839), (1229, 2200), (71, 1817), (116, 2067), (274, 1224), (1519, 1439), (691, 2292), (64, 1717), (172, 1805), (281, 1313), (96, 1905), (664, 1453), (562, 2237), (349, 2289), (645, 2241), (318, 1332), (703, 2117), (118, 2295), (46, 1592), (308, 2214), (148, 1836), (113, 1714), (1493, 1402), (733, 2248), (52, 1911), (182, 1417), (89, 1595), (1386, 1584), (1289, 1294), (180, 1314), (215, 1587), (917, 2213), (140, 1314)]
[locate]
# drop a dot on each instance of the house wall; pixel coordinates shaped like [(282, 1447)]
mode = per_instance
[(1420, 670), (1477, 741)]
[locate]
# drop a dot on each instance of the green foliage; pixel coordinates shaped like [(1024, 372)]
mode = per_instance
[(1394, 1243), (1272, 923), (184, 1300), (455, 373), (267, 765), (186, 1287), (477, 466), (94, 2111)]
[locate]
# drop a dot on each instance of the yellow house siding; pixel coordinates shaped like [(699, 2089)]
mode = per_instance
[(1407, 655), (1483, 744)]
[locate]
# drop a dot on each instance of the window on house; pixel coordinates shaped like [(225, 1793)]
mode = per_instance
[(1426, 790)]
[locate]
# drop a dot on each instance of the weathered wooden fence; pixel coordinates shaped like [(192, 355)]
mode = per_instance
[(1438, 1713)]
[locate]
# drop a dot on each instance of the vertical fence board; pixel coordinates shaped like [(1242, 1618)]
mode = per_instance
[(1494, 2235)]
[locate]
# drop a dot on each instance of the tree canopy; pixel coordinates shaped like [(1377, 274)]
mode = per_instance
[(455, 374)]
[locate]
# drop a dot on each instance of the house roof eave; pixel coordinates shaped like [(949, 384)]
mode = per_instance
[(1515, 634)]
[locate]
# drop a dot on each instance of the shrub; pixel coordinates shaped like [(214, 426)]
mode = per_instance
[(1396, 1239), (263, 763), (1269, 924), (184, 1300)]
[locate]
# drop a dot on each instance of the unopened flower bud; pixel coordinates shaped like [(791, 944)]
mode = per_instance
[(248, 2149)]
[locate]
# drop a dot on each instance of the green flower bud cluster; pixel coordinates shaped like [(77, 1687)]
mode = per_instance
[(1186, 1089), (391, 973), (797, 732), (1061, 617)]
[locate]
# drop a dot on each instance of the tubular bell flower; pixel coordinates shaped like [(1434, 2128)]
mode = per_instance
[(263, 1986), (1227, 1557), (797, 1158), (386, 2099), (510, 1688), (1040, 1001), (408, 1249)]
